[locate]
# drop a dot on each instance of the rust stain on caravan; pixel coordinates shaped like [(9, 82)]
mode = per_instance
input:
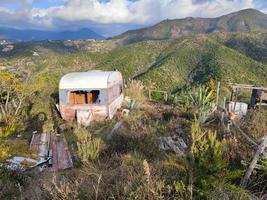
[(90, 96)]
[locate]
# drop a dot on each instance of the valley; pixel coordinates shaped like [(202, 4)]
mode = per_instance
[(181, 142)]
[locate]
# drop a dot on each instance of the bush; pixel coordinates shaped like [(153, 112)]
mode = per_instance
[(209, 166), (199, 100), (8, 130), (88, 148), (203, 169), (4, 152)]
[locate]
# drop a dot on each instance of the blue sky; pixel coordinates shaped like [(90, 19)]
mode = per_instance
[(110, 17)]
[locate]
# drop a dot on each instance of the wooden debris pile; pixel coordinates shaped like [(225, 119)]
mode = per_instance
[(175, 144), (50, 152)]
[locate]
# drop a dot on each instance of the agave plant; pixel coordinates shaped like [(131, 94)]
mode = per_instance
[(199, 100)]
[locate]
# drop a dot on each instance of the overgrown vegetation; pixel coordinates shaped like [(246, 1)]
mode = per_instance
[(198, 100), (128, 164), (88, 147)]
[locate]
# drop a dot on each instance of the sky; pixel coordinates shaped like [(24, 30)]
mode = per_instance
[(111, 17)]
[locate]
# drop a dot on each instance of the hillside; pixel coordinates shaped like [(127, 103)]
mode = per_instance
[(130, 156), (166, 64), (27, 35), (173, 64), (243, 21)]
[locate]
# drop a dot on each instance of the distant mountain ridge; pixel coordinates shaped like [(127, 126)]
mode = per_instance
[(247, 20), (27, 35)]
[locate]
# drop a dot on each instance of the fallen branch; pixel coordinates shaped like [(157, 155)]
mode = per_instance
[(238, 128), (244, 134), (255, 144), (253, 163)]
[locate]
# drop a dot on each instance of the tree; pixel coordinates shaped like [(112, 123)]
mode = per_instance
[(13, 94)]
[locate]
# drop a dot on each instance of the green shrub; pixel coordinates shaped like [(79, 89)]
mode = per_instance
[(203, 169), (8, 130), (4, 152), (88, 148), (209, 168), (198, 100)]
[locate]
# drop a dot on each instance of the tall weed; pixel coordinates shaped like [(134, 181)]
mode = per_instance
[(88, 147), (135, 90)]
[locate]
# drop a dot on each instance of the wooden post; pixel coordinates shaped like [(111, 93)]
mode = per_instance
[(224, 104), (218, 94), (260, 103), (253, 163), (222, 116), (166, 96), (235, 97), (232, 94)]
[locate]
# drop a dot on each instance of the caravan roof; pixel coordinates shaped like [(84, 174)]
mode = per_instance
[(89, 80)]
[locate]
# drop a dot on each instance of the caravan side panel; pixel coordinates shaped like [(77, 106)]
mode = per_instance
[(114, 106), (114, 79)]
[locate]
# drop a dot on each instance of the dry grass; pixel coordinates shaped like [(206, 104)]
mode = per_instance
[(63, 188), (255, 123), (135, 90)]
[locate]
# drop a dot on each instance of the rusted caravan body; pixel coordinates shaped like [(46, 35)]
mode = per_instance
[(258, 96), (90, 96)]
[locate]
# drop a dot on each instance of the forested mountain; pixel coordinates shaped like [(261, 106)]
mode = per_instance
[(167, 64), (242, 21), (26, 35)]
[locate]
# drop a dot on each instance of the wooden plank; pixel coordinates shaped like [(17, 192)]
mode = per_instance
[(54, 154), (35, 142), (245, 86), (61, 158), (68, 154)]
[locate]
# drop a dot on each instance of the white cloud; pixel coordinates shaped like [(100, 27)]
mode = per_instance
[(141, 12), (115, 11)]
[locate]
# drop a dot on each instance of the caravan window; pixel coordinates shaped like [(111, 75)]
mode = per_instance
[(84, 97)]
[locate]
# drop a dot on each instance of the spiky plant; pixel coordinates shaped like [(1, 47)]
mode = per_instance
[(205, 168), (199, 100)]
